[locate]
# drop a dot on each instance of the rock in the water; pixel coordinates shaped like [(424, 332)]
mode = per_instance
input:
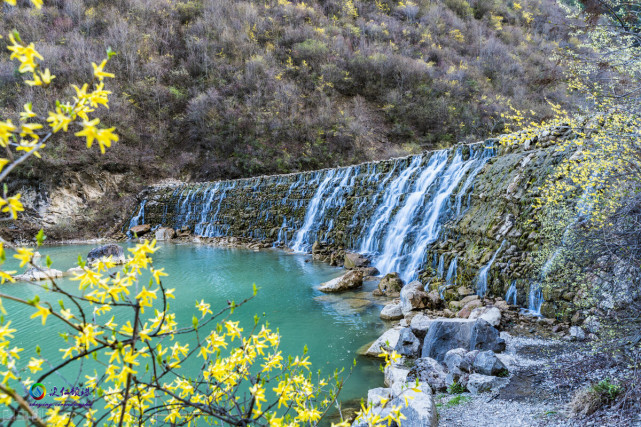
[(486, 337), (491, 315), (388, 341), (390, 285), (38, 273), (487, 363), (165, 233), (369, 271), (140, 230), (446, 334), (456, 359), (112, 250), (478, 383), (430, 371), (353, 260), (392, 312), (408, 344), (350, 280), (420, 324), (577, 333), (413, 297)]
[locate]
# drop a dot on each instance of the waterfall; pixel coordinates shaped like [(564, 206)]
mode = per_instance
[(535, 300), (139, 218), (511, 294), (481, 280), (391, 211), (441, 266), (450, 278), (390, 200)]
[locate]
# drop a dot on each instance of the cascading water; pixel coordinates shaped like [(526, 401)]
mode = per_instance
[(396, 207), (510, 296), (450, 278), (481, 280), (139, 218), (441, 266)]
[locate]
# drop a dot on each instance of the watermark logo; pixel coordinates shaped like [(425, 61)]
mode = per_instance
[(38, 391)]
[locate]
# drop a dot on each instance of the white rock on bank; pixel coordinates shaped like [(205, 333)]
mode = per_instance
[(389, 339), (491, 315)]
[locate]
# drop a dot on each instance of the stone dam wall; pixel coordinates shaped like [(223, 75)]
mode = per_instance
[(457, 217)]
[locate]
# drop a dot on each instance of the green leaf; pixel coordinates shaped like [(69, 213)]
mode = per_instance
[(40, 237), (48, 261), (16, 35), (62, 304), (110, 52), (38, 350), (194, 321), (255, 289)]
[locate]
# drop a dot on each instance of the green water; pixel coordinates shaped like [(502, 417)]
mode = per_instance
[(333, 327)]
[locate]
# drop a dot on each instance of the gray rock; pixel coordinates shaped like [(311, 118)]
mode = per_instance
[(112, 250), (486, 337), (165, 233), (388, 341), (457, 377), (396, 378), (478, 383), (413, 297), (420, 410), (446, 334), (392, 312), (430, 371), (456, 359), (408, 344), (487, 363), (420, 324), (351, 280), (491, 315), (353, 260), (376, 395), (577, 333)]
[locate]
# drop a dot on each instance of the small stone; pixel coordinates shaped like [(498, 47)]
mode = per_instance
[(478, 383), (487, 363), (491, 315), (392, 312), (577, 333), (351, 280)]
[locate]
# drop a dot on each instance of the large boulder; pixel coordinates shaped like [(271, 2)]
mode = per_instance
[(352, 261), (350, 280), (408, 344), (386, 341), (396, 378), (38, 273), (420, 324), (491, 315), (390, 285), (392, 312), (413, 297), (140, 230), (420, 410), (478, 383), (112, 250), (165, 233), (446, 334), (375, 396), (456, 359), (487, 363), (486, 337), (430, 371)]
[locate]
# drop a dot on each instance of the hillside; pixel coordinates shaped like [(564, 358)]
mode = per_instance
[(225, 89)]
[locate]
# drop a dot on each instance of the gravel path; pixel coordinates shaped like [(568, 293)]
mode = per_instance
[(537, 393)]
